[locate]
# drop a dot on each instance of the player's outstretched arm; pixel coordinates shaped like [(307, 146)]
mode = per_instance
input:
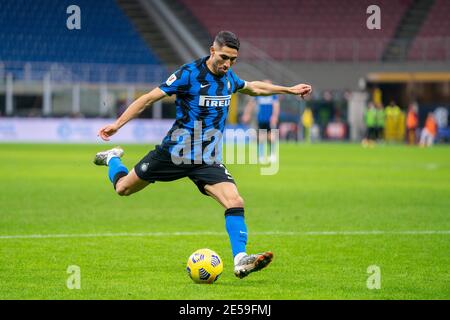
[(133, 110), (260, 88)]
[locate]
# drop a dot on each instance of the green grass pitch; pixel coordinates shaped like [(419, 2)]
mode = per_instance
[(342, 189)]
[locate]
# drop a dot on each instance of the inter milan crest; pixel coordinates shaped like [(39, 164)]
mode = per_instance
[(144, 166)]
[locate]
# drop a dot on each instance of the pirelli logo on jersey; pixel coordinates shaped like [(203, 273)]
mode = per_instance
[(214, 101)]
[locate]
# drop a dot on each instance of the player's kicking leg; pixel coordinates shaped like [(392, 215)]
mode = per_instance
[(227, 195), (124, 182)]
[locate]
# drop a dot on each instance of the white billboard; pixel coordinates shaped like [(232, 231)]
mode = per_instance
[(67, 130)]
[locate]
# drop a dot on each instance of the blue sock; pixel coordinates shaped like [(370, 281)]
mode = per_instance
[(236, 228), (116, 170)]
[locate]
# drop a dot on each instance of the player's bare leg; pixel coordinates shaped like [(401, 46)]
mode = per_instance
[(227, 195), (130, 184)]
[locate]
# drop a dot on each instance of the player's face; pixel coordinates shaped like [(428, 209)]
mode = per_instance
[(222, 59)]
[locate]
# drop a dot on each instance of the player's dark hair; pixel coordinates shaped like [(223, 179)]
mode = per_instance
[(227, 38)]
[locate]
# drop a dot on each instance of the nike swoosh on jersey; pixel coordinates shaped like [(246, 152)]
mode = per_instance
[(204, 85)]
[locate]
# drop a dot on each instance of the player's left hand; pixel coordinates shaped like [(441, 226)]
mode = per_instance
[(301, 89)]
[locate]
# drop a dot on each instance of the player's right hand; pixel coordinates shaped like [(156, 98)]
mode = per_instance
[(107, 131)]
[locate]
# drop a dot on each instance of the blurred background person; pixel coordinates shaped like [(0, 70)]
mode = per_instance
[(380, 120), (307, 122), (268, 115), (412, 123), (377, 95), (393, 120), (429, 131), (370, 119)]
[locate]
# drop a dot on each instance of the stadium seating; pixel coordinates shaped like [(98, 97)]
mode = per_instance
[(429, 44), (36, 31), (329, 30)]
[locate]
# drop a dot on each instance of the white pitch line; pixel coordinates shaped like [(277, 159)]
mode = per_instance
[(206, 233)]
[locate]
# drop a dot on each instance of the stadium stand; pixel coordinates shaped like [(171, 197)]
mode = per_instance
[(327, 28), (150, 31), (35, 32), (435, 27), (407, 30)]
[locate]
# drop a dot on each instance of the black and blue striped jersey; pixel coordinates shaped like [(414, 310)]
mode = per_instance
[(265, 107), (202, 103)]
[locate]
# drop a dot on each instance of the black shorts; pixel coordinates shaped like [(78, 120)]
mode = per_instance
[(264, 126), (157, 165)]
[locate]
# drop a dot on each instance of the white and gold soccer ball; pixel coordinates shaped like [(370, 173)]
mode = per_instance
[(204, 266)]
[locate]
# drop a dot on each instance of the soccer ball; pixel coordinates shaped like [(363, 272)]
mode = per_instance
[(204, 266)]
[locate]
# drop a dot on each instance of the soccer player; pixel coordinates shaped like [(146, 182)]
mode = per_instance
[(203, 90), (268, 114)]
